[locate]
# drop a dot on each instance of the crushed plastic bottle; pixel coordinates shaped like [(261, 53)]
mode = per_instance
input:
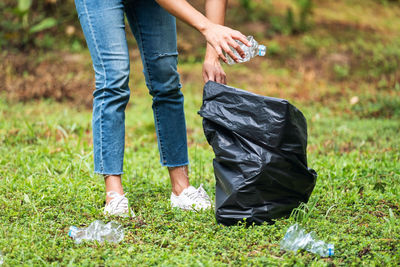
[(296, 238), (1, 258), (97, 230), (254, 50)]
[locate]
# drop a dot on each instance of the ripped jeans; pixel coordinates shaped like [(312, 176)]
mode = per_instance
[(154, 29)]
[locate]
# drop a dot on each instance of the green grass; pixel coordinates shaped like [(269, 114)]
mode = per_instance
[(47, 185)]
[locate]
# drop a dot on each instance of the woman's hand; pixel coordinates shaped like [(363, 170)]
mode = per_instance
[(218, 36), (212, 69), (221, 37)]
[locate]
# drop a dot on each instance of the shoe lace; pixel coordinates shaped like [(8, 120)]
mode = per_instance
[(202, 193), (195, 196), (199, 196), (118, 203)]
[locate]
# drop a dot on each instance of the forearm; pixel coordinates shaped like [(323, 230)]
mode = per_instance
[(221, 38), (215, 12), (184, 11)]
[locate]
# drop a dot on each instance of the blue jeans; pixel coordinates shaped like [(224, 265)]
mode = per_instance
[(154, 28)]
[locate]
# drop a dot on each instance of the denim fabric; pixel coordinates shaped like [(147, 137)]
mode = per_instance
[(103, 25)]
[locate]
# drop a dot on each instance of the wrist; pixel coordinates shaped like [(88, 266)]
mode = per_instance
[(204, 25), (211, 54), (211, 58)]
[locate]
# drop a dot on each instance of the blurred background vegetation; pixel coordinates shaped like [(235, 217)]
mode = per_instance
[(52, 24), (338, 61), (318, 51)]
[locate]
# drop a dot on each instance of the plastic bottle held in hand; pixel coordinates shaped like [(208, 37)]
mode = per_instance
[(97, 230), (296, 238), (254, 50)]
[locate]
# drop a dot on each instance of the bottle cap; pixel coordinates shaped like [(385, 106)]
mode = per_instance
[(262, 50), (331, 250), (72, 231)]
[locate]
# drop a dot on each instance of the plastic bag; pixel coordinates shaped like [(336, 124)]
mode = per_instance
[(260, 162)]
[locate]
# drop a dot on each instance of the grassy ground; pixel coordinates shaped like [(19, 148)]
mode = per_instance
[(343, 74), (48, 185)]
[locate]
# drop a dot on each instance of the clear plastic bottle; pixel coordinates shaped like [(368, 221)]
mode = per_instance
[(254, 50), (296, 238), (97, 230)]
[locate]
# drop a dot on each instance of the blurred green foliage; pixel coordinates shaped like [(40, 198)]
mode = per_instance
[(51, 24), (388, 1), (28, 24), (302, 22), (32, 24), (380, 105), (296, 19)]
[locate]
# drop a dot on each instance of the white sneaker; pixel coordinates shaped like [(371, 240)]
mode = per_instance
[(118, 205), (191, 199)]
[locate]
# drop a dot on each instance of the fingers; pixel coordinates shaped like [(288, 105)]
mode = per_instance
[(220, 54), (211, 77), (237, 47), (218, 79), (208, 73), (238, 36), (213, 72), (230, 52), (229, 41), (224, 79), (221, 78), (222, 38), (205, 77)]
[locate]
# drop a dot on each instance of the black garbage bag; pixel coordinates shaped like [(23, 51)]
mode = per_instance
[(260, 162)]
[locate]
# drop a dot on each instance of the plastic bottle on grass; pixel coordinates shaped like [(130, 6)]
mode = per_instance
[(296, 238), (254, 50), (97, 230)]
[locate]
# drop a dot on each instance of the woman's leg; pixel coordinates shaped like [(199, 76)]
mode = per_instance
[(179, 179), (155, 32), (104, 29)]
